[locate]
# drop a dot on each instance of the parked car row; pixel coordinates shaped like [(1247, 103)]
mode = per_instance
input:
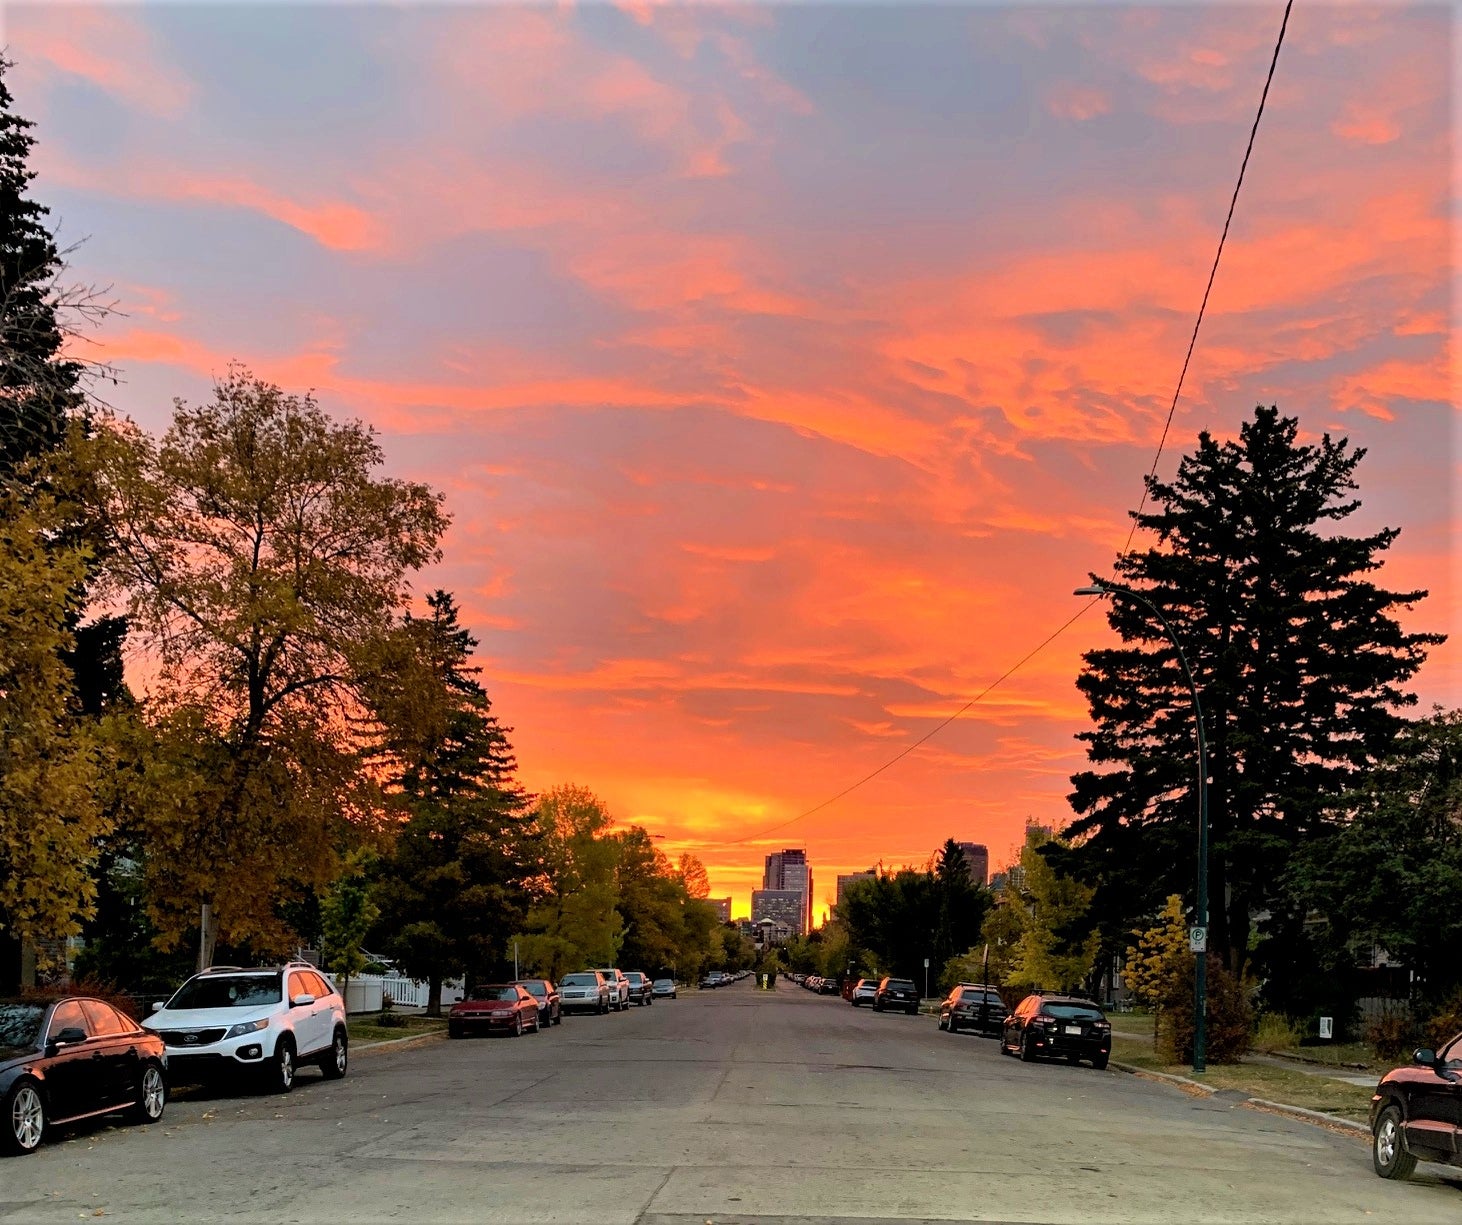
[(723, 978), (531, 1004), (67, 1058), (817, 984)]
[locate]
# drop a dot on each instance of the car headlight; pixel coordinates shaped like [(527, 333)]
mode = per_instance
[(245, 1027)]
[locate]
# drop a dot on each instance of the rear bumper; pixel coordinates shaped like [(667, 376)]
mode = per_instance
[(1058, 1045)]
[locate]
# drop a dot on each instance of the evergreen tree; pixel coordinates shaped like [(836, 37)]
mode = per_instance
[(40, 391), (1299, 659), (455, 888)]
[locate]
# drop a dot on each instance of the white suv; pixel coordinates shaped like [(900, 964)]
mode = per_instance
[(265, 1022), (618, 987)]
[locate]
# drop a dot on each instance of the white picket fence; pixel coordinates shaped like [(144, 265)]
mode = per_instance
[(366, 992)]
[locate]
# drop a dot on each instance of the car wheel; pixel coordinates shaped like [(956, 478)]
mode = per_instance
[(279, 1077), (1100, 1062), (152, 1096), (1387, 1154), (914, 1011), (518, 1025), (334, 1061), (453, 1031), (953, 1026), (25, 1118), (537, 1024), (1026, 1054)]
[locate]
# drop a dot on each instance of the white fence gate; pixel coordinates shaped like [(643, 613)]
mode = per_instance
[(367, 992)]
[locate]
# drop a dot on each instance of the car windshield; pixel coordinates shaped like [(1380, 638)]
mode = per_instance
[(495, 993), (1072, 1012), (20, 1026), (228, 991), (637, 979), (663, 982), (578, 980), (900, 984), (535, 988)]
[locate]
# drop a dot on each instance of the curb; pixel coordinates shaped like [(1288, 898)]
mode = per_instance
[(1309, 1116), (1317, 1117), (1182, 1082), (420, 1039)]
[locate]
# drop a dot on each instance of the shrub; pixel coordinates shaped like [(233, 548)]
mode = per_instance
[(1230, 1019), (1391, 1033), (391, 1020), (1277, 1033), (1446, 1023)]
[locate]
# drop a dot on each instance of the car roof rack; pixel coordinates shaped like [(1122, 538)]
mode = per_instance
[(221, 970)]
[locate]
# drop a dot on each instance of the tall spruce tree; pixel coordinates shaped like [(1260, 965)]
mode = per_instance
[(39, 389), (455, 887), (1299, 659)]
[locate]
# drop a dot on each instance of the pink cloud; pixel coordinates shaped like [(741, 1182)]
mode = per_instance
[(105, 46)]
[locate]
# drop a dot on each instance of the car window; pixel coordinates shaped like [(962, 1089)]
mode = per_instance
[(105, 1019), (298, 986), (579, 980), (1452, 1053), (495, 993), (1073, 1012), (322, 984), (68, 1015), (227, 991), (535, 988)]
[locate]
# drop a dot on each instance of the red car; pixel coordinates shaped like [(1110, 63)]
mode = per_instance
[(1416, 1113), (503, 1006)]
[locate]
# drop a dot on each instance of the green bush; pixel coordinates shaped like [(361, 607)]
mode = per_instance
[(1277, 1033), (391, 1020)]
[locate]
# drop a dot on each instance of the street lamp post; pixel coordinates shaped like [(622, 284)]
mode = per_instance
[(1198, 937)]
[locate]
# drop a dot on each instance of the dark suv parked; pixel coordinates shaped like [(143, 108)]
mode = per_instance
[(896, 993), (973, 1006), (1416, 1113), (641, 990), (1057, 1025)]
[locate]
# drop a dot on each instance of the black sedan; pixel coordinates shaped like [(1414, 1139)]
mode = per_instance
[(1056, 1026), (69, 1058), (550, 1007), (1416, 1113), (973, 1006), (896, 993)]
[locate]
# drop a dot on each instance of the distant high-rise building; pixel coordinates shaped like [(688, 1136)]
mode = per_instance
[(790, 870), (844, 880), (978, 860), (785, 906), (723, 908)]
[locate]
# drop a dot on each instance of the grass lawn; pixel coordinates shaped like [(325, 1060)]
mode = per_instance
[(365, 1029), (1293, 1088)]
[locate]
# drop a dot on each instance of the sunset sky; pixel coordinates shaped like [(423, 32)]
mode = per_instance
[(785, 368)]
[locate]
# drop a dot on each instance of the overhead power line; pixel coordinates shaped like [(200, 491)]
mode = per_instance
[(1156, 459)]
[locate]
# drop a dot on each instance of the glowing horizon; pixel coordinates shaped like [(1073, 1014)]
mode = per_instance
[(785, 368)]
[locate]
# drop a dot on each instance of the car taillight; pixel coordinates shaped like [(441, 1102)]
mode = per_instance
[(1042, 1018)]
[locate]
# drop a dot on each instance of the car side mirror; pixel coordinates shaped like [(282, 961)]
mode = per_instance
[(1425, 1056), (302, 999), (158, 1005), (69, 1036)]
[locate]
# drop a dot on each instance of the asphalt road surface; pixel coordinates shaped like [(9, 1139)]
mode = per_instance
[(721, 1106)]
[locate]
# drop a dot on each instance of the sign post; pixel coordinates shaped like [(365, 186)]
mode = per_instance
[(926, 978)]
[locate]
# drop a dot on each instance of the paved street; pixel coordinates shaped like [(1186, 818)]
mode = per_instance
[(725, 1106)]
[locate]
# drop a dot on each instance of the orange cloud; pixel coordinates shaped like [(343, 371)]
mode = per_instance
[(1079, 103)]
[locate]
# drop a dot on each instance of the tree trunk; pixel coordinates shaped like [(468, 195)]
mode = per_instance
[(434, 996)]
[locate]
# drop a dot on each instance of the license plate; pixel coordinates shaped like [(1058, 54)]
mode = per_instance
[(1074, 1029)]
